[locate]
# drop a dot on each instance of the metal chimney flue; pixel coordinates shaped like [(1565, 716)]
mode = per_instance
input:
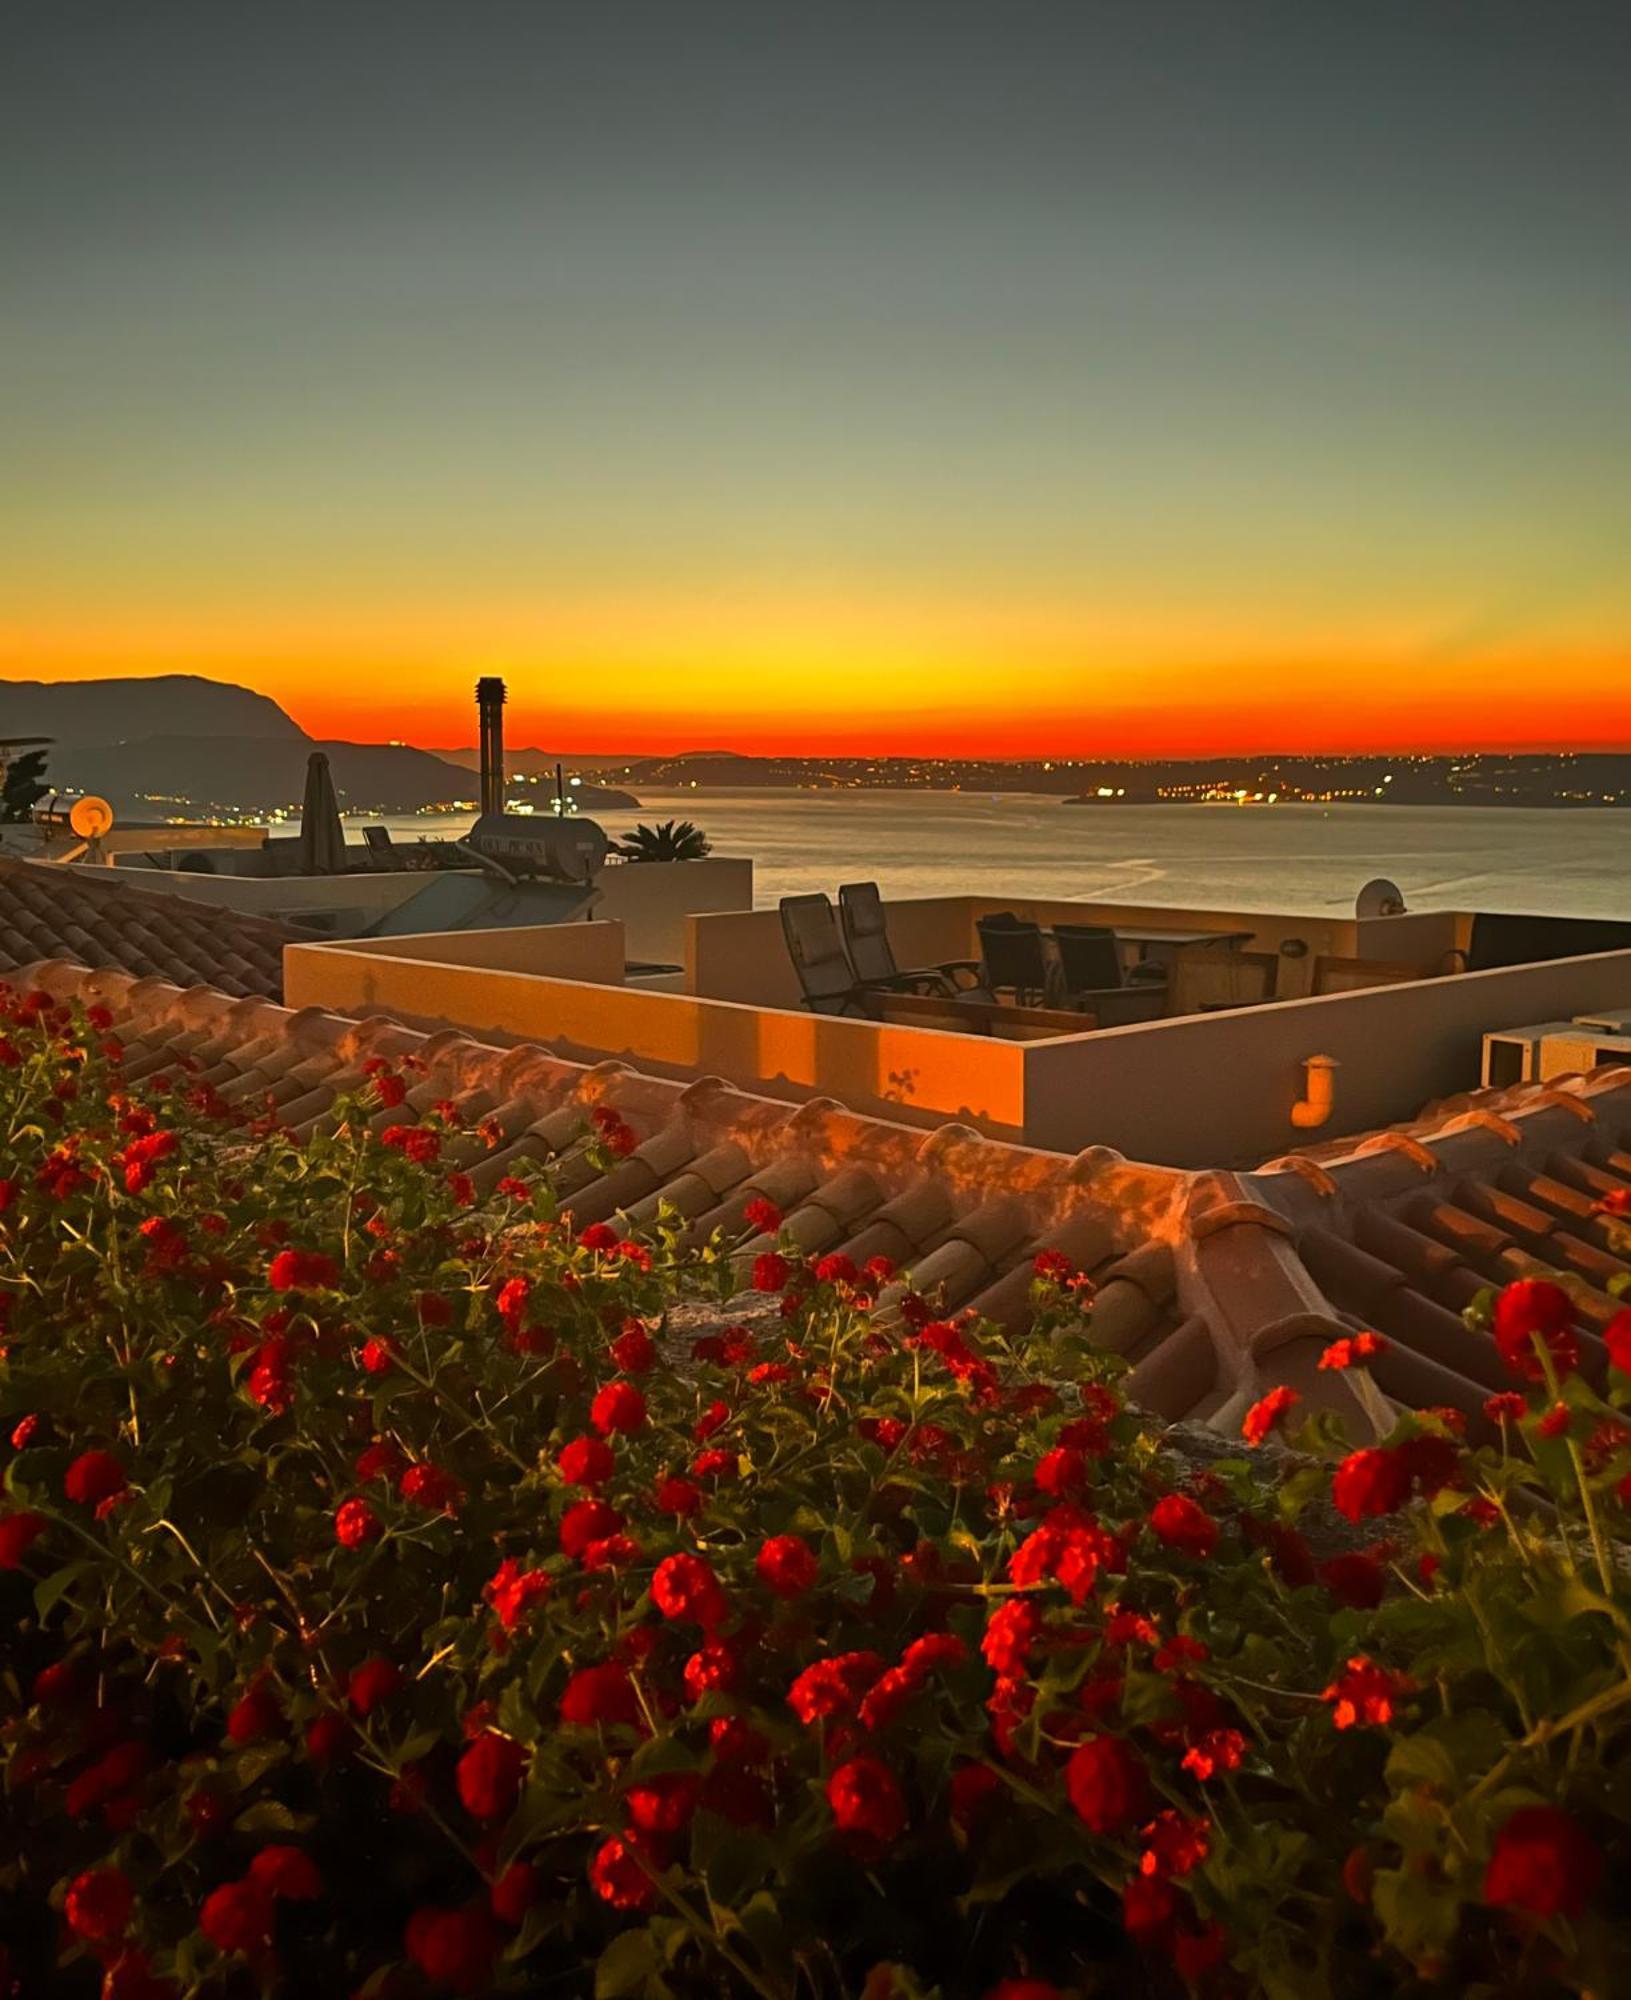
[(490, 715)]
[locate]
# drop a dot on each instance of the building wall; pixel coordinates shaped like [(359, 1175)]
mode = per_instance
[(653, 899), (743, 956), (900, 1073), (365, 896), (592, 952), (1217, 1089)]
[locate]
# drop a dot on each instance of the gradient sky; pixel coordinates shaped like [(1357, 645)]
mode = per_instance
[(1133, 376)]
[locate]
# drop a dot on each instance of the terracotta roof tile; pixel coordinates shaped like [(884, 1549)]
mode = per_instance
[(963, 1215), (1214, 1285), (85, 914)]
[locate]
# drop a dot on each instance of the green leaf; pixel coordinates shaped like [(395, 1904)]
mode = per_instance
[(273, 1816), (50, 1589), (626, 1964)]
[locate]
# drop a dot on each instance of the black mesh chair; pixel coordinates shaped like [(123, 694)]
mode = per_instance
[(1091, 979), (1014, 957), (813, 944), (872, 957)]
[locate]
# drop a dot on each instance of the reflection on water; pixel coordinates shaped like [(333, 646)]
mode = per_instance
[(1305, 858)]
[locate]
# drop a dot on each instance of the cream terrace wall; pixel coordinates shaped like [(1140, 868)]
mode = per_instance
[(371, 894), (1217, 1089), (904, 1074), (743, 956), (592, 952), (653, 899)]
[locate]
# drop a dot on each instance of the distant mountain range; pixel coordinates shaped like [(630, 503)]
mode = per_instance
[(178, 741)]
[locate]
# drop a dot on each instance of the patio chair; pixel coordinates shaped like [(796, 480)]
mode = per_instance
[(825, 977), (1014, 958), (1090, 977), (872, 957)]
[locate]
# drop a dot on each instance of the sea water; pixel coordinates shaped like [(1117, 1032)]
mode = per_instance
[(1283, 857)]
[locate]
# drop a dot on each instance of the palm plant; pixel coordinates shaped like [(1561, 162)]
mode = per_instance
[(669, 840)]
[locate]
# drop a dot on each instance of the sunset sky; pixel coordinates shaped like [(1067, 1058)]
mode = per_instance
[(1078, 376)]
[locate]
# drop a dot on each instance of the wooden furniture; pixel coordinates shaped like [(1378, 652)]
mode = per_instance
[(1354, 975), (966, 1016), (1204, 981)]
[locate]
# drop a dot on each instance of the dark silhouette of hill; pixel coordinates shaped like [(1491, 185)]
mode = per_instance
[(256, 773), (122, 711)]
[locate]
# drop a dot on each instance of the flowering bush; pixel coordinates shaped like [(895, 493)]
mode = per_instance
[(397, 1599)]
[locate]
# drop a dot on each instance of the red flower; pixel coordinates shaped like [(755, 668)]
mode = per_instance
[(619, 1407), (1053, 1266), (1617, 1339), (18, 1534), (1531, 1311), (674, 1495), (684, 1586), (428, 1486), (663, 1804), (93, 1477), (600, 1695), (1181, 1524), (598, 1236), (489, 1775), (770, 1272), (514, 1893), (287, 1873), (1509, 1407), (713, 1668), (512, 1591), (618, 1878), (833, 1687), (1218, 1750), (376, 1680), (1355, 1580), (454, 1949), (419, 1143), (586, 1522), (1556, 1421), (1266, 1412), (302, 1271), (254, 1715), (1107, 1783), (327, 1736), (1364, 1693), (1542, 1863), (786, 1566), (1353, 1351), (586, 1461), (99, 1905), (836, 1269), (238, 1917), (762, 1215), (866, 1800), (634, 1350), (1370, 1482), (356, 1523)]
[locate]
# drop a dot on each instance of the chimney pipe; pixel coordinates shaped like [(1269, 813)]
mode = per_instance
[(490, 715)]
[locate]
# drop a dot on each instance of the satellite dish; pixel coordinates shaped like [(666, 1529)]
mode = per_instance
[(1379, 898), (90, 817)]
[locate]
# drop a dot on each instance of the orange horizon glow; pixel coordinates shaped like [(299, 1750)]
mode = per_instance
[(857, 677)]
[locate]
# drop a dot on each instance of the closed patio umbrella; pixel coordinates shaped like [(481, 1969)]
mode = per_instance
[(322, 838)]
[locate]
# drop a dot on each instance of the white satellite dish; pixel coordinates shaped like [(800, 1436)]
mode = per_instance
[(90, 817), (1379, 898)]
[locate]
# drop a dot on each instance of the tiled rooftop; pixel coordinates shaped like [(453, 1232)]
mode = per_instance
[(49, 911), (1215, 1285)]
